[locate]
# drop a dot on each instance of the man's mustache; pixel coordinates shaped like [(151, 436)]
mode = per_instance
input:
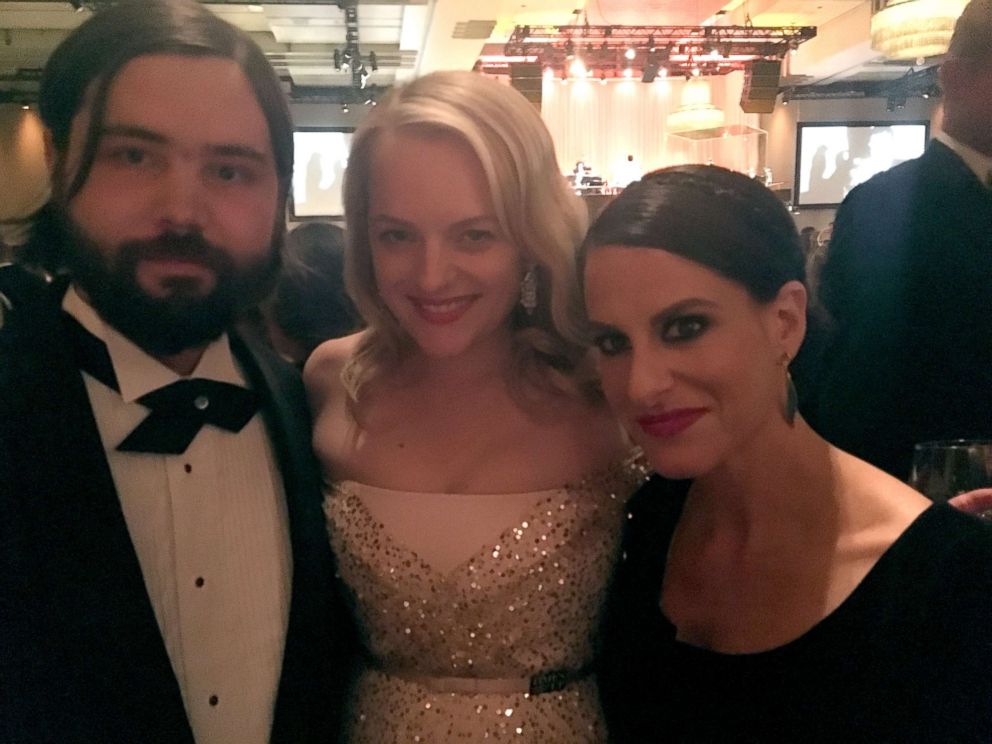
[(184, 247)]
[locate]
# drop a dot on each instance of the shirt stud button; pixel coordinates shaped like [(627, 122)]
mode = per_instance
[(201, 402)]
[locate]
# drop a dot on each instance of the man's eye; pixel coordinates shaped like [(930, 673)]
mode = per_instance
[(611, 344), (128, 155), (685, 328), (232, 173), (394, 235)]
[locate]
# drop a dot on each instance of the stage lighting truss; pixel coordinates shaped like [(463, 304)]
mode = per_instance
[(614, 51)]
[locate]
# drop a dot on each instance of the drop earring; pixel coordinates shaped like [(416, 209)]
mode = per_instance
[(528, 291), (791, 397)]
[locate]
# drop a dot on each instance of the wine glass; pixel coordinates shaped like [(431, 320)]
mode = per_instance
[(942, 470)]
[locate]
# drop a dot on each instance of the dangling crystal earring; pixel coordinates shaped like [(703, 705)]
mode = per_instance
[(528, 291), (5, 306), (791, 397)]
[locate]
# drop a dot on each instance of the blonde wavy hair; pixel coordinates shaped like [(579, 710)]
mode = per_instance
[(532, 201)]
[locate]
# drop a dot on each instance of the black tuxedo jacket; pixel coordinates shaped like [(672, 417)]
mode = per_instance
[(908, 283), (81, 657)]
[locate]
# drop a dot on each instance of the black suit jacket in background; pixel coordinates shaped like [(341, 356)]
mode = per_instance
[(908, 283), (81, 656)]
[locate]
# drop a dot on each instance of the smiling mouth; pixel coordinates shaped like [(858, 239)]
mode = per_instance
[(442, 311), (670, 423)]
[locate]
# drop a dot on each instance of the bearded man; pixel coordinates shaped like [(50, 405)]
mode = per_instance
[(165, 574)]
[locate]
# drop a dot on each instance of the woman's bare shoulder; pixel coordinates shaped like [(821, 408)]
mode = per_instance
[(592, 430), (884, 502), (322, 372)]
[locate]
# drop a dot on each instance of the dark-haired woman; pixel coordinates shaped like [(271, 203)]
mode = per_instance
[(775, 589)]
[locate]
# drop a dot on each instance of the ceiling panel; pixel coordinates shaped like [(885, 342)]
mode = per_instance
[(651, 12), (300, 36)]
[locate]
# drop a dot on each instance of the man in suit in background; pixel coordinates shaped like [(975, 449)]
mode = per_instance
[(908, 283), (165, 574)]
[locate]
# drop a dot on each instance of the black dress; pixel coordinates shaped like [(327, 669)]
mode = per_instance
[(907, 657)]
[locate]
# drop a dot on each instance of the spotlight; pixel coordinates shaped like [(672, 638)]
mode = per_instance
[(373, 62), (344, 108), (630, 53), (337, 59)]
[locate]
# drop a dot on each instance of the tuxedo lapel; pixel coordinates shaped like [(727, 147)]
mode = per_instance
[(320, 640), (85, 632), (81, 655)]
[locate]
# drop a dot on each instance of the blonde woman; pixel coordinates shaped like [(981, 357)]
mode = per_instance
[(476, 485)]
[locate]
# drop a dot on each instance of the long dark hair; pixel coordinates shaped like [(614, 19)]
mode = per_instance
[(83, 67)]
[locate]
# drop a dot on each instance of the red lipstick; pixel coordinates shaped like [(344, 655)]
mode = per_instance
[(441, 311), (669, 423)]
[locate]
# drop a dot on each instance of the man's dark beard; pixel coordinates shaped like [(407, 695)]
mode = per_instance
[(182, 320)]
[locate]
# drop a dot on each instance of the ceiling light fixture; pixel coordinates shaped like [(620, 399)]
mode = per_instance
[(911, 29), (696, 110)]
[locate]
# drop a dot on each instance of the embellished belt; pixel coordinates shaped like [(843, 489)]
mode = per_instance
[(551, 680)]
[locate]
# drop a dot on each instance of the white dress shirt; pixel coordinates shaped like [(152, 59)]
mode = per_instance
[(211, 533)]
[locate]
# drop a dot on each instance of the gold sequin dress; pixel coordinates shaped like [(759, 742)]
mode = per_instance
[(525, 604)]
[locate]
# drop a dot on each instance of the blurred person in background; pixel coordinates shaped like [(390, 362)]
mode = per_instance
[(907, 281), (310, 303)]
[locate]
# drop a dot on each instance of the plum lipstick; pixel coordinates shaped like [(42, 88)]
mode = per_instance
[(669, 423)]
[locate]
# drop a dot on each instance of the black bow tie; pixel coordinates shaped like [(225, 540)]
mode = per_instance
[(178, 410)]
